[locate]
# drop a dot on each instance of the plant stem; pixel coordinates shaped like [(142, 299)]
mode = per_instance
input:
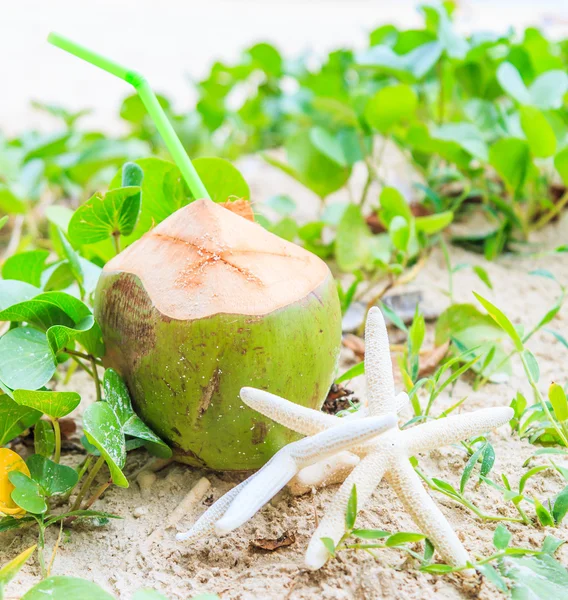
[(86, 464), (40, 548), (366, 187), (116, 242), (151, 103), (82, 355), (97, 380), (57, 431), (83, 365), (551, 214), (87, 484), (441, 94), (98, 493)]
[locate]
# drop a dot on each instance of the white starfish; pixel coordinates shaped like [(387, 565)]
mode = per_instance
[(258, 489), (385, 455)]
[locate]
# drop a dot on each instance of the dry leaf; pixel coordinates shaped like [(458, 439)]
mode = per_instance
[(354, 343), (429, 363), (267, 545)]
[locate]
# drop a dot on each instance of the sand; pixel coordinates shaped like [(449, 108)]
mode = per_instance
[(117, 558)]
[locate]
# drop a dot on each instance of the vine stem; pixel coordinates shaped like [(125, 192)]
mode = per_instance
[(57, 431), (88, 482), (551, 214), (82, 355), (96, 379)]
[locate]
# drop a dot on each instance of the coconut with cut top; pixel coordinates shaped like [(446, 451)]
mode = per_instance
[(204, 304)]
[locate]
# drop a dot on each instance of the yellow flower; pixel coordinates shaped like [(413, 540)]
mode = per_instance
[(10, 461)]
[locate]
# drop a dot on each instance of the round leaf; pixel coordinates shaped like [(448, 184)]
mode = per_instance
[(221, 179), (390, 106), (61, 587), (9, 462), (26, 360)]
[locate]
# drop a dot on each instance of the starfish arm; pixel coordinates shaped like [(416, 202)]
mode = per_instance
[(288, 461), (449, 430), (425, 513), (378, 365), (323, 473), (206, 522), (293, 416), (260, 489), (366, 477)]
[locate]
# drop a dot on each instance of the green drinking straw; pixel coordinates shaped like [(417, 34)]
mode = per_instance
[(151, 103)]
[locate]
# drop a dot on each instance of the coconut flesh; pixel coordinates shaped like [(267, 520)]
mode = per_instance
[(208, 302)]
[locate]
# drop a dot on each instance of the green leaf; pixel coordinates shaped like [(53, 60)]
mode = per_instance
[(44, 438), (466, 135), (52, 404), (501, 537), (283, 205), (410, 66), (26, 266), (9, 202), (352, 242), (13, 292), (329, 545), (510, 80), (536, 577), (548, 90), (3, 221), (399, 232), (560, 507), (475, 335), (403, 538), (510, 157), (163, 192), (118, 398), (27, 493), (64, 317), (11, 569), (551, 544), (102, 216), (543, 514), (104, 431), (561, 164), (468, 469), (222, 180), (351, 511), (499, 317), (532, 364), (557, 398), (329, 145), (53, 478), (434, 223), (540, 134), (14, 419), (393, 204), (391, 106), (73, 258), (352, 372), (310, 167), (370, 534), (26, 360), (61, 587)]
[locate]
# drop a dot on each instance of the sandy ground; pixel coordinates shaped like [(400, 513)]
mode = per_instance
[(116, 558)]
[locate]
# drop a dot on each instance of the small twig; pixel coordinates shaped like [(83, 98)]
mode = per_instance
[(98, 493), (15, 237), (54, 551)]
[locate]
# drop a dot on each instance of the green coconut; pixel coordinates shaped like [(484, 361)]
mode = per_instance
[(208, 302)]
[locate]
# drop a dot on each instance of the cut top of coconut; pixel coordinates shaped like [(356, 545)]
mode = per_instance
[(204, 260)]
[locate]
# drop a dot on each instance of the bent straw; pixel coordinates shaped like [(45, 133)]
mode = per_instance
[(149, 100)]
